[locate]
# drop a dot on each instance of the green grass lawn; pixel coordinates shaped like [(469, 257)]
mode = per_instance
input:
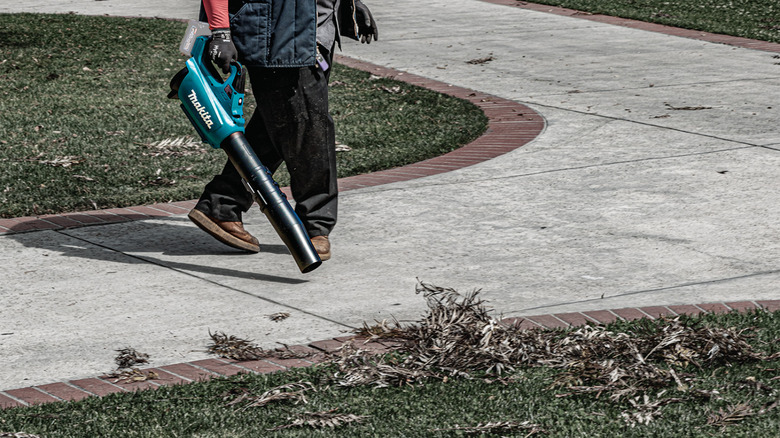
[(697, 377), (85, 123), (756, 19)]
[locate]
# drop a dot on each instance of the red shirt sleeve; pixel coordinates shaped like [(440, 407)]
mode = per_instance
[(217, 13)]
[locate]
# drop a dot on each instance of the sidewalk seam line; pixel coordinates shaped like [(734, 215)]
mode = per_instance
[(175, 374), (18, 400), (48, 393)]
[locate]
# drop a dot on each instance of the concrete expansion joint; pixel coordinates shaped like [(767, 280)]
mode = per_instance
[(741, 144)]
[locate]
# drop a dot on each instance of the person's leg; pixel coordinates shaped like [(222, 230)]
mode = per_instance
[(224, 199), (291, 124), (295, 111)]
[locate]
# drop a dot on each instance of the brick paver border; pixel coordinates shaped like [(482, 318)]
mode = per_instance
[(510, 126), (318, 351), (652, 27)]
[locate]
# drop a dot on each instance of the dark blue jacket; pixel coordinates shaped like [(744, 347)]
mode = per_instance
[(275, 33), (282, 33)]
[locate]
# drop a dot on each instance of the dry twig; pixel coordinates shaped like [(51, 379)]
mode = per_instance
[(17, 435), (322, 419), (294, 392), (496, 427)]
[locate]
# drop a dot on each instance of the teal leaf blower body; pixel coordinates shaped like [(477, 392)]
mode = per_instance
[(215, 107)]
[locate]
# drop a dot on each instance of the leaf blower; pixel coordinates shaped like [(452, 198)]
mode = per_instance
[(215, 108)]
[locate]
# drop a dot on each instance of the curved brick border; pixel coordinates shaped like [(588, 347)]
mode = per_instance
[(210, 368), (652, 27), (510, 126)]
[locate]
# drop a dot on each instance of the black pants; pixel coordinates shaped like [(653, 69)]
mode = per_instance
[(292, 125)]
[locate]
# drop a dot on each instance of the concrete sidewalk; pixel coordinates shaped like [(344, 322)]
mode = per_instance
[(654, 183)]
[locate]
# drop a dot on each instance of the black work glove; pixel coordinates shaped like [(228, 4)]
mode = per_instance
[(366, 24), (221, 49)]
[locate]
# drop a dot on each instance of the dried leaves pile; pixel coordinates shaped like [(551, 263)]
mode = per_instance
[(231, 347), (458, 337), (126, 360), (235, 348), (642, 370), (129, 357)]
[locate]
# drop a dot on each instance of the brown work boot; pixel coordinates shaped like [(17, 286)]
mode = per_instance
[(230, 233), (322, 246)]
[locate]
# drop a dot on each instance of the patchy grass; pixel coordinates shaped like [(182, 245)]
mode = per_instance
[(756, 19), (85, 123), (714, 375)]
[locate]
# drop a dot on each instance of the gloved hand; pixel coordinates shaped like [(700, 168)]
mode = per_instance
[(366, 24), (221, 49)]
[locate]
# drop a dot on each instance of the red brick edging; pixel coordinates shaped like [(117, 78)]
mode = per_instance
[(510, 126), (642, 25), (205, 369)]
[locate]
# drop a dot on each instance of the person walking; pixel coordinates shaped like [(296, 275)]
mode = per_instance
[(287, 47)]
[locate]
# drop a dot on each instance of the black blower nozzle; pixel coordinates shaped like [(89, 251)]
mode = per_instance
[(272, 201)]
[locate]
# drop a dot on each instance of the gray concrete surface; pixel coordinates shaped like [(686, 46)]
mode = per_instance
[(625, 199)]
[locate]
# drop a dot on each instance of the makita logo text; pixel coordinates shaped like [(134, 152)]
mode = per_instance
[(204, 115)]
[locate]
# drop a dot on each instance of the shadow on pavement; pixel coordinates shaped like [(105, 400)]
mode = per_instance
[(157, 242)]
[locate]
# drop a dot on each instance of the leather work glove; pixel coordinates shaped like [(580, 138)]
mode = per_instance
[(221, 49), (366, 24)]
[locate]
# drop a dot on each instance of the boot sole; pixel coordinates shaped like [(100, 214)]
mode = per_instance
[(206, 224)]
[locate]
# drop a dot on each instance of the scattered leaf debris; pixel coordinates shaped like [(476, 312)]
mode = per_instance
[(637, 369), (279, 316), (392, 90), (177, 147), (65, 161), (340, 147), (480, 61), (18, 435), (294, 392), (235, 348), (730, 416), (318, 420), (496, 428), (232, 347), (133, 375), (129, 357)]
